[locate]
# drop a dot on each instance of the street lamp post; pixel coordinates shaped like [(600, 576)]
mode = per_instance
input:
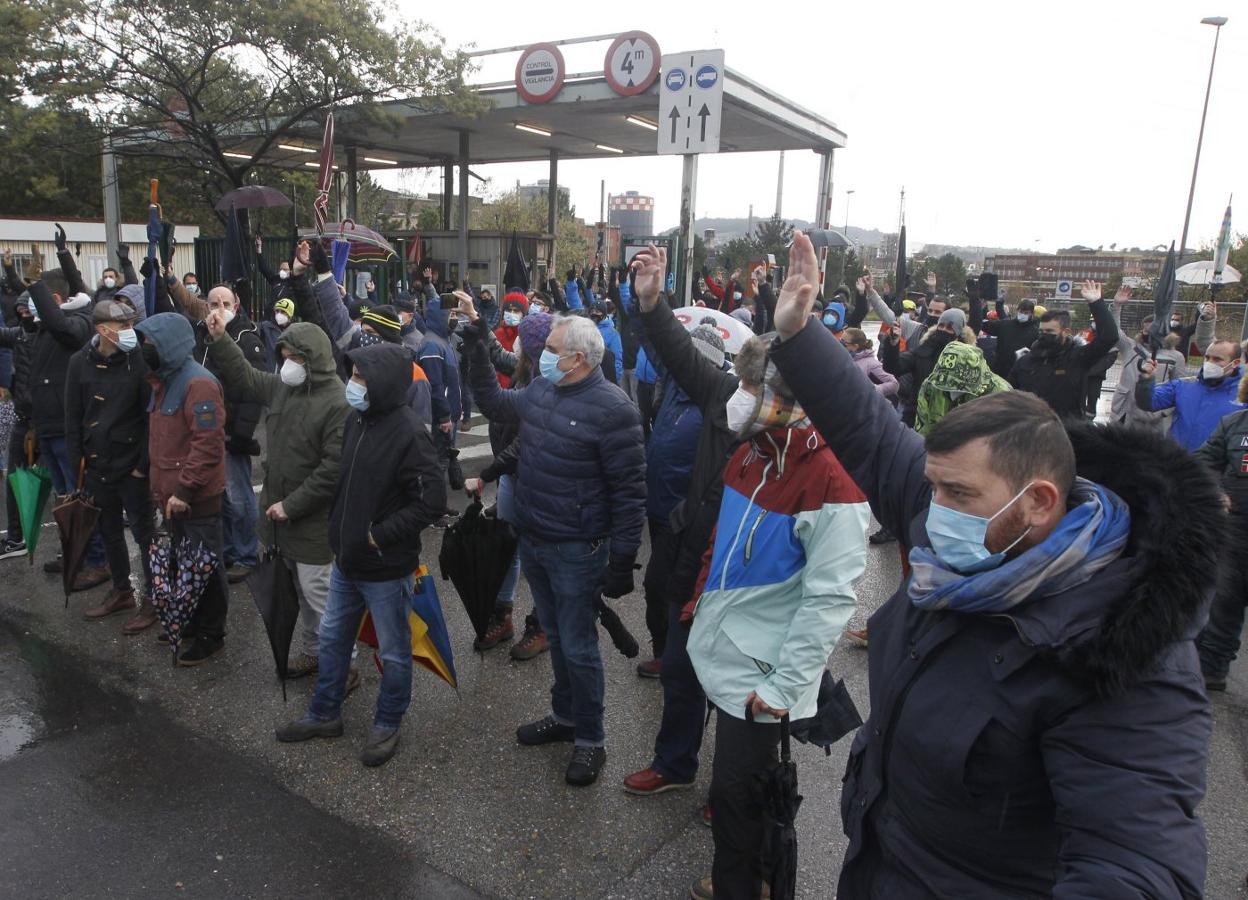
[(1217, 22)]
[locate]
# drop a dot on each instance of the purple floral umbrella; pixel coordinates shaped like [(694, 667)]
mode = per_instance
[(179, 578)]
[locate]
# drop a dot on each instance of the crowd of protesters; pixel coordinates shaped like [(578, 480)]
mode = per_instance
[(1038, 720)]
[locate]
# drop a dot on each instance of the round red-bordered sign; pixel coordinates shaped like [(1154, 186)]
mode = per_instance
[(540, 72), (632, 63)]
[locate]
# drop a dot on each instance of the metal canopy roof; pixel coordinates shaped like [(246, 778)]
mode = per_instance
[(585, 114)]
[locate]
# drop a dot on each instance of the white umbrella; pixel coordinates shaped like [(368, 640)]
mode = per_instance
[(1201, 272), (734, 332)]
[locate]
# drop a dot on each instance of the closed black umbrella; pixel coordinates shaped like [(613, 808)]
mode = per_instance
[(778, 803), (516, 275), (476, 553), (75, 520), (620, 635), (273, 588), (835, 716), (1165, 292)]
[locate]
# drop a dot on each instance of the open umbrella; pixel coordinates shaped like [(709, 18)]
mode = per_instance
[(431, 642), (252, 196), (31, 487), (1203, 271), (1165, 292), (75, 520), (364, 244), (778, 800), (733, 331), (179, 577), (272, 586), (476, 553)]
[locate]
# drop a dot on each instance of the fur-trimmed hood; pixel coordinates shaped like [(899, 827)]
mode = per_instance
[(1158, 593)]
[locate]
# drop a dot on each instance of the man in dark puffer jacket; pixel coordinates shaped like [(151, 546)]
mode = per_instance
[(1038, 723), (580, 498)]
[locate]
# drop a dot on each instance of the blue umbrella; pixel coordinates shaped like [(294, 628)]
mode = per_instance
[(154, 229)]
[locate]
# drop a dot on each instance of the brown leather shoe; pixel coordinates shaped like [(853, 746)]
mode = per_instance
[(90, 578), (648, 781), (143, 620), (534, 642), (114, 601), (500, 630)]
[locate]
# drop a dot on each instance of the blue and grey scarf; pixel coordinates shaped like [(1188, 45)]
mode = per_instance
[(1090, 536)]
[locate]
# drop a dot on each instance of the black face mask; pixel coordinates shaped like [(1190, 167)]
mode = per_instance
[(1049, 342), (150, 356)]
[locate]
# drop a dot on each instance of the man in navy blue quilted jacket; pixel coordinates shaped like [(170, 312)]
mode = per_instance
[(581, 504)]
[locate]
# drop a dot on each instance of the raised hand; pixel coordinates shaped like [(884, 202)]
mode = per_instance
[(797, 295), (34, 267), (931, 281), (466, 306), (58, 238), (123, 253), (216, 324), (303, 258), (1091, 290), (650, 265), (1122, 295)]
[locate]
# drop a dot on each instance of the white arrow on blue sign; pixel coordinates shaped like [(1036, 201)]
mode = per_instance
[(691, 102)]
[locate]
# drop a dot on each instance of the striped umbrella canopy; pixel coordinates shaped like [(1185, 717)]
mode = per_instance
[(365, 245), (325, 175)]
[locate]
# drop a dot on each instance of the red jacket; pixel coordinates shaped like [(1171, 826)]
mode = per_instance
[(188, 448)]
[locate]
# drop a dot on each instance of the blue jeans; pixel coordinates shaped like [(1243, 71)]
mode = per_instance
[(54, 455), (507, 512), (238, 513), (565, 579), (388, 602)]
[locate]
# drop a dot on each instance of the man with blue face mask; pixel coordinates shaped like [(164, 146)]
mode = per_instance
[(1038, 725), (580, 507), (106, 399)]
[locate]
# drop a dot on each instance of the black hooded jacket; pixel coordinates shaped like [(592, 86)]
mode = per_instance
[(63, 330), (390, 487), (106, 400), (1059, 376)]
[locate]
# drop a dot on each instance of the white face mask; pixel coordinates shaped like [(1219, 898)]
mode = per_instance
[(742, 410), (281, 319), (110, 282), (229, 314), (293, 374), (1211, 371), (283, 274), (192, 289)]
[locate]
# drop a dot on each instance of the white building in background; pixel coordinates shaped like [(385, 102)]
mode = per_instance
[(85, 239)]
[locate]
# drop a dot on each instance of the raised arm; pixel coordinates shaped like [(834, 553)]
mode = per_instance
[(883, 457), (1106, 328), (239, 377), (69, 265)]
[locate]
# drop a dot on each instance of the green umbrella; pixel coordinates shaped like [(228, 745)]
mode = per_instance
[(31, 488)]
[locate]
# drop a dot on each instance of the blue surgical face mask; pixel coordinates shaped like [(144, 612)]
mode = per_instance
[(1024, 318), (357, 396), (512, 319), (549, 365), (958, 538), (127, 340), (832, 320)]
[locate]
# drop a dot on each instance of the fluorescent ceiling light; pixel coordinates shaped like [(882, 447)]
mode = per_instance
[(644, 123), (608, 148), (384, 162), (315, 165), (296, 149), (533, 129), (232, 155)]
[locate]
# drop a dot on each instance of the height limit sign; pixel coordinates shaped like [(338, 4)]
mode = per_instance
[(691, 102)]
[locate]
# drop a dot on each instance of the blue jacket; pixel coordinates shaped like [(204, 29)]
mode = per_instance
[(572, 292), (441, 364), (1198, 407), (671, 451), (582, 473), (645, 369), (1057, 751), (611, 338)]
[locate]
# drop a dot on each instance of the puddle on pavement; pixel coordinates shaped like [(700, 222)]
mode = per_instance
[(43, 692)]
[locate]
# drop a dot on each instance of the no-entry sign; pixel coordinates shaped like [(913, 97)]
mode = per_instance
[(632, 63), (540, 73)]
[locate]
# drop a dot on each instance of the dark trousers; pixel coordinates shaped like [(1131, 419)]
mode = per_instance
[(133, 497), (1220, 640), (658, 571), (209, 620), (679, 739), (645, 405), (742, 750), (17, 459)]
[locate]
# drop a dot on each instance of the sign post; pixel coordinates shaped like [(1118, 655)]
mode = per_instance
[(691, 102)]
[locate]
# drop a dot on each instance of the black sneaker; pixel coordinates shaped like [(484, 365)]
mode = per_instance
[(883, 536), (382, 743), (202, 650), (586, 763), (545, 731), (305, 729), (10, 549)]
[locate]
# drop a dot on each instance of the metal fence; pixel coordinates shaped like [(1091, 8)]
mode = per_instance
[(1229, 326)]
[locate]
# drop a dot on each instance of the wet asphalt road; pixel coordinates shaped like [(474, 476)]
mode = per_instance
[(120, 776)]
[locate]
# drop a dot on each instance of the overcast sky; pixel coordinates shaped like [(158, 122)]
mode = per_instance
[(1009, 124)]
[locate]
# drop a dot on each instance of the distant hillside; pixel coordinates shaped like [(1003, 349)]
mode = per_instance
[(727, 229)]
